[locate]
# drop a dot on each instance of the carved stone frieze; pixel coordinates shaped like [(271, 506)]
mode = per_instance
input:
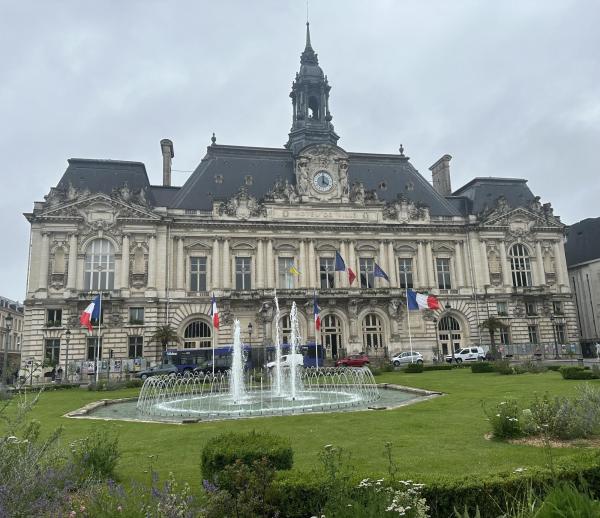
[(533, 214), (241, 206), (282, 192)]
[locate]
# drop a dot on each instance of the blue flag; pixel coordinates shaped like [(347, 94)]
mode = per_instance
[(378, 272), (340, 265)]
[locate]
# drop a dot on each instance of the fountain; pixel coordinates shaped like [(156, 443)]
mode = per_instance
[(236, 393)]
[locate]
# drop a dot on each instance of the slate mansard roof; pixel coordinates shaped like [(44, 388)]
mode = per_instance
[(481, 193), (583, 242)]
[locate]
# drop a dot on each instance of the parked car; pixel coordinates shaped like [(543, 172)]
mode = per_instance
[(159, 370), (468, 354), (287, 360), (354, 360), (406, 358)]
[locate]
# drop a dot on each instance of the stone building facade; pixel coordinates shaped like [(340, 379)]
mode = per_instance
[(16, 311), (246, 215)]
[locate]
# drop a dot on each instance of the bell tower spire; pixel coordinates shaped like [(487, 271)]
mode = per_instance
[(311, 119)]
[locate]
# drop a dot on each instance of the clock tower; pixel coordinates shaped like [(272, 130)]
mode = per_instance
[(311, 119)]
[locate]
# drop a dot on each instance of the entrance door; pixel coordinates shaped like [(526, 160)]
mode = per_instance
[(449, 334), (331, 335)]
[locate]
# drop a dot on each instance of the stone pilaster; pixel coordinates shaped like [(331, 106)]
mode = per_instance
[(506, 274), (180, 264), (484, 264), (72, 265), (260, 265), (226, 265), (312, 265), (302, 279), (392, 264), (430, 270), (270, 265), (215, 281), (540, 273), (124, 282), (44, 259), (151, 261), (458, 265), (421, 266)]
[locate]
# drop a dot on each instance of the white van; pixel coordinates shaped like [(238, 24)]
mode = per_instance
[(467, 354), (286, 361)]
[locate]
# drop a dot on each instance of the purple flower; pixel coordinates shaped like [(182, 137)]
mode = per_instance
[(209, 487)]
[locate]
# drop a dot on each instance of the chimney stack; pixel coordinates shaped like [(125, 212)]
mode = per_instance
[(440, 172), (166, 147)]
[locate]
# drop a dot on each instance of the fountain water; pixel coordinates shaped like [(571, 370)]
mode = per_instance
[(292, 389)]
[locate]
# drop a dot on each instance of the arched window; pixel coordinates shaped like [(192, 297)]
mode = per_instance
[(285, 328), (372, 332), (450, 336), (331, 335), (520, 265), (99, 266), (313, 108), (197, 334)]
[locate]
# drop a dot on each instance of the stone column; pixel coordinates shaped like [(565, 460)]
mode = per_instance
[(382, 283), (44, 259), (312, 265), (506, 274), (458, 265), (180, 264), (475, 251), (541, 274), (270, 265), (392, 264), (260, 265), (303, 277), (421, 266), (72, 265), (558, 264), (124, 262), (563, 262), (430, 270), (152, 261), (226, 265), (484, 264), (215, 281)]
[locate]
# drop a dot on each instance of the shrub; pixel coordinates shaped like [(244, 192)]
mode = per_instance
[(505, 419), (534, 367), (565, 501), (480, 367), (438, 367), (504, 367), (555, 368), (225, 449), (414, 367), (134, 383), (577, 373), (375, 371), (96, 455)]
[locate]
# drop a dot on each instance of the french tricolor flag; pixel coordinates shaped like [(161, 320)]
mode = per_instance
[(416, 300), (317, 311), (214, 312), (91, 312)]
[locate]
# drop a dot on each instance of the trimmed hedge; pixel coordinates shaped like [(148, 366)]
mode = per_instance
[(438, 367), (414, 367), (301, 494), (228, 448), (577, 373), (480, 367), (555, 368)]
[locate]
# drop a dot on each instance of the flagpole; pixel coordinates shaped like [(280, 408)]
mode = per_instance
[(214, 334), (408, 317), (315, 324), (98, 338)]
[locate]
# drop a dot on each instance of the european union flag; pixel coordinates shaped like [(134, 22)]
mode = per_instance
[(378, 272)]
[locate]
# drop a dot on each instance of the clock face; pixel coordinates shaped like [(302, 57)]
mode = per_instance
[(323, 181)]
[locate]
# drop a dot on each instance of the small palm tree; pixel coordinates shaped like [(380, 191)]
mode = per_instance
[(165, 335), (493, 324)]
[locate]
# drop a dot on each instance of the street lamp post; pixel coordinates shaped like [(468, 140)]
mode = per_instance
[(553, 320), (67, 339), (9, 322)]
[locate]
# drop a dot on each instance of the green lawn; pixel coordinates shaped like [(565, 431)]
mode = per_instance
[(441, 436)]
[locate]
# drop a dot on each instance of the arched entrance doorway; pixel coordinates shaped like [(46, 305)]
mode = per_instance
[(197, 334), (450, 335), (331, 335)]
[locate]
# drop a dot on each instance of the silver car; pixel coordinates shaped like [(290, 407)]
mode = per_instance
[(406, 358)]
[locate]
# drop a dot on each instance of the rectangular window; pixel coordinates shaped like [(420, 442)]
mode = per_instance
[(367, 278), (531, 309), (243, 276), (443, 273), (533, 334), (52, 350), (560, 333), (286, 278), (54, 317), (405, 267), (502, 309), (92, 342), (504, 336), (136, 316), (197, 273), (557, 308), (136, 346), (327, 271)]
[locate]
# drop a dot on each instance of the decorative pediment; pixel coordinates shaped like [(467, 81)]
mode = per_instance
[(99, 211), (241, 206), (198, 245), (520, 219), (441, 247), (404, 210)]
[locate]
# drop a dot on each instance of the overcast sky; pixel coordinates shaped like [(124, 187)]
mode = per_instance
[(507, 88)]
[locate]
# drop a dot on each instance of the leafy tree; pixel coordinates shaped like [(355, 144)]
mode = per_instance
[(165, 335), (493, 324)]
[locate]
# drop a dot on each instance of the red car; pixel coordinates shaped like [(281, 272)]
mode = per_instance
[(354, 360)]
